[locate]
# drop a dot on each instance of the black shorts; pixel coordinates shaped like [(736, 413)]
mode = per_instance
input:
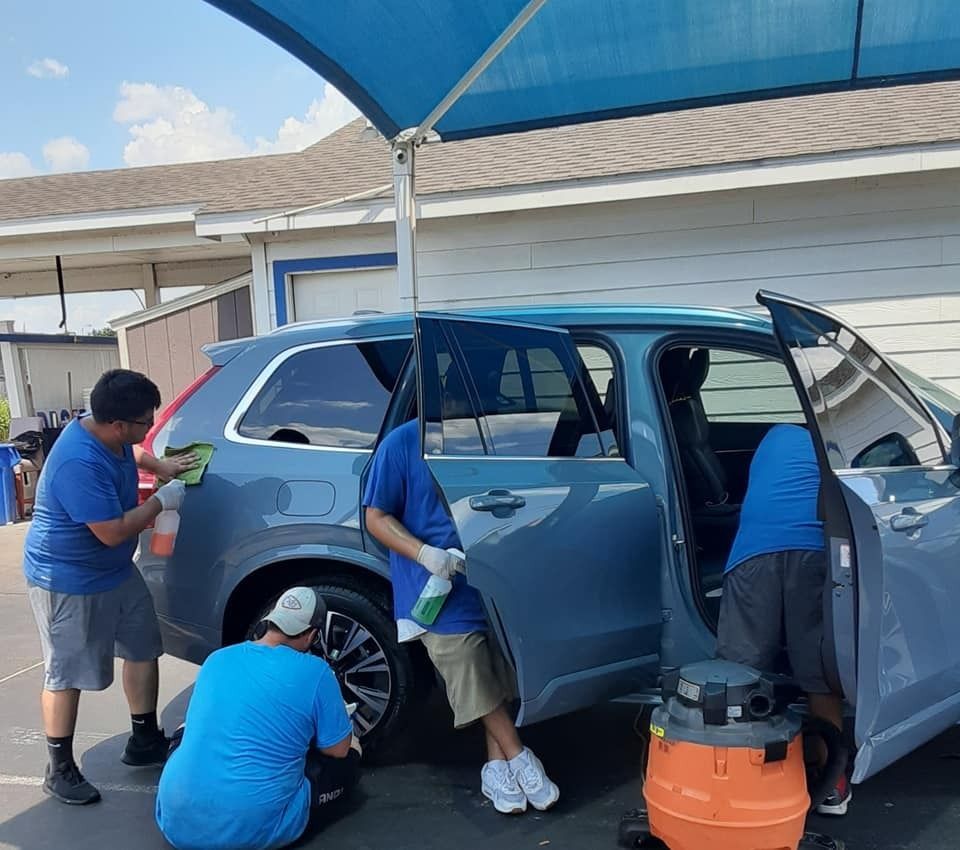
[(772, 601), (331, 781)]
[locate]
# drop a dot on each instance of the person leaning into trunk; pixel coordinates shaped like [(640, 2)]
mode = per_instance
[(88, 600), (404, 512)]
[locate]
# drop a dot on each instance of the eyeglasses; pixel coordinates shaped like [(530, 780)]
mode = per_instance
[(147, 423)]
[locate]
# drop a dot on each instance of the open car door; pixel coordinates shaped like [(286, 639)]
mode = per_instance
[(561, 534), (892, 630)]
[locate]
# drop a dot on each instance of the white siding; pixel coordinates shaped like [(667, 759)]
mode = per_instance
[(884, 253)]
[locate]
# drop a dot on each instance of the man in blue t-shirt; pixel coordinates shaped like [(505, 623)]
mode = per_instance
[(88, 600), (775, 576), (405, 513), (267, 750)]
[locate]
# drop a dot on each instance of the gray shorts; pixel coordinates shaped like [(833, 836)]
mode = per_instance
[(81, 634), (772, 602), (477, 676)]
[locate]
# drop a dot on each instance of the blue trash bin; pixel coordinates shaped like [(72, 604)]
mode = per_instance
[(9, 458)]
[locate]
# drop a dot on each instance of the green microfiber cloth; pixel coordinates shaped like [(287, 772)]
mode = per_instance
[(204, 451)]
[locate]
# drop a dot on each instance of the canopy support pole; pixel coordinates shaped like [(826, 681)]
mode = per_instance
[(405, 198)]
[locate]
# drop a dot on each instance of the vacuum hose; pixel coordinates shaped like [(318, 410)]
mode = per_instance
[(821, 780)]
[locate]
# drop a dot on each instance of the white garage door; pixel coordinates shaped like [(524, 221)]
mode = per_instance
[(325, 295)]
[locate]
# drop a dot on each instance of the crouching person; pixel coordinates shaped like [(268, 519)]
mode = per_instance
[(267, 752)]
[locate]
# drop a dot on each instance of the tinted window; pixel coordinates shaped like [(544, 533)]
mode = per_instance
[(333, 396), (860, 404), (460, 432), (529, 391)]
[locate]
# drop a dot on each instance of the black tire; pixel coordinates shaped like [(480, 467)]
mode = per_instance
[(376, 725)]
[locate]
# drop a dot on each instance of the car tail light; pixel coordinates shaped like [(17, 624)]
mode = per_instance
[(148, 481)]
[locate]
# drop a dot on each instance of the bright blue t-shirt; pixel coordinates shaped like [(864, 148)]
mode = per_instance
[(400, 484), (237, 779), (81, 482), (779, 512)]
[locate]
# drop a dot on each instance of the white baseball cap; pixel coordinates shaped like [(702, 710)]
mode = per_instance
[(298, 609)]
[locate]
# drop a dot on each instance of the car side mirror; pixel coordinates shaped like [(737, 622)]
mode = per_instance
[(955, 441)]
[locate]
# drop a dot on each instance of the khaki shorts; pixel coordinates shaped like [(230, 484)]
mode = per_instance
[(476, 674), (82, 633)]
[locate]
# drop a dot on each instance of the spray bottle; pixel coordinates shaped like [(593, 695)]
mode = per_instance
[(428, 605), (164, 536)]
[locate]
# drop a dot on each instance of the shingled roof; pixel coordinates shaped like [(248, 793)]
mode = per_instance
[(348, 161)]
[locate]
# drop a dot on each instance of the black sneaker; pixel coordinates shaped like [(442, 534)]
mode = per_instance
[(151, 753), (67, 784), (838, 800)]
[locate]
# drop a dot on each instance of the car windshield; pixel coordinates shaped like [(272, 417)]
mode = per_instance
[(943, 404)]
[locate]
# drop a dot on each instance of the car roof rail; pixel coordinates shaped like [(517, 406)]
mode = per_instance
[(368, 312)]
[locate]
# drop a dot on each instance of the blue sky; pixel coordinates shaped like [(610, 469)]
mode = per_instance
[(93, 84), (170, 54)]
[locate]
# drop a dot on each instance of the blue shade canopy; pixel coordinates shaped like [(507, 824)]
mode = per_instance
[(586, 60)]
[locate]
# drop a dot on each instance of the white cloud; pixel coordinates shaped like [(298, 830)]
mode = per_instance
[(48, 69), (15, 165), (324, 115), (66, 154), (171, 124)]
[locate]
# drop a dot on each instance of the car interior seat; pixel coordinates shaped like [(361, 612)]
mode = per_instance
[(715, 519), (686, 371)]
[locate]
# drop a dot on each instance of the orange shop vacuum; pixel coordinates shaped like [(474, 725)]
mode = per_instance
[(725, 767)]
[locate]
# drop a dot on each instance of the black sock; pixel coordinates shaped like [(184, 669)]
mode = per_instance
[(144, 726), (60, 751)]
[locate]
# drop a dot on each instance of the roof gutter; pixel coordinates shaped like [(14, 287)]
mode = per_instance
[(100, 220)]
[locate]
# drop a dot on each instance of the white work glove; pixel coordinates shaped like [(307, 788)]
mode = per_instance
[(441, 562), (170, 496)]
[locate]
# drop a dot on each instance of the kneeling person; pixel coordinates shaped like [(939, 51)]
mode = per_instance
[(267, 748)]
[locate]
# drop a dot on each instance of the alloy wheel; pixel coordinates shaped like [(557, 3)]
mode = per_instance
[(360, 665)]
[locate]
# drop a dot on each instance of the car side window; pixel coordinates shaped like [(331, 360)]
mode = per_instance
[(600, 367), (460, 431), (743, 387), (864, 411), (530, 390), (333, 396)]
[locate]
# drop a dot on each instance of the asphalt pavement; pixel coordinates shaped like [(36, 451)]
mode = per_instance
[(425, 795)]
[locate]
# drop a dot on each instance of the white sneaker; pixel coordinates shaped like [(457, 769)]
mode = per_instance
[(500, 787), (540, 792)]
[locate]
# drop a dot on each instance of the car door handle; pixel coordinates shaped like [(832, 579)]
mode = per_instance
[(909, 519), (500, 503)]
